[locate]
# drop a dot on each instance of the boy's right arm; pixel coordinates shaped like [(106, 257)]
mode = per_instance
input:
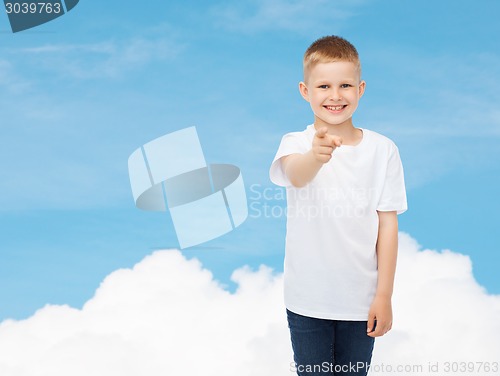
[(300, 169)]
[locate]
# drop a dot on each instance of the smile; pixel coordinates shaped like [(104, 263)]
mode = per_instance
[(335, 108)]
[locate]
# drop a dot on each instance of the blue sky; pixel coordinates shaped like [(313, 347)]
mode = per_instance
[(78, 95)]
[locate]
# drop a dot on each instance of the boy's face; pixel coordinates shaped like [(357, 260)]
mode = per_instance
[(333, 90)]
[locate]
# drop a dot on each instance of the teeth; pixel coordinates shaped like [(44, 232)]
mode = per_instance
[(335, 108)]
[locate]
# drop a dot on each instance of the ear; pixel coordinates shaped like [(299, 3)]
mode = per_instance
[(304, 91), (362, 87)]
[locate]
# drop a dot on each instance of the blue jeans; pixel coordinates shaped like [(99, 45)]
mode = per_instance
[(329, 347)]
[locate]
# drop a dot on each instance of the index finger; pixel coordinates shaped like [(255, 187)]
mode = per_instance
[(321, 132), (337, 141)]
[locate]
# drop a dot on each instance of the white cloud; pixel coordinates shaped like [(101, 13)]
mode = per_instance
[(10, 81), (289, 15), (46, 116), (105, 59), (69, 113), (441, 313), (168, 315), (435, 93), (165, 316)]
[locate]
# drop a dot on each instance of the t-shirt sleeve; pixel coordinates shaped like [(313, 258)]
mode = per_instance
[(393, 195), (291, 143)]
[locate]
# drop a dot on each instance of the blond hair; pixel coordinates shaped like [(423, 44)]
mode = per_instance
[(328, 50)]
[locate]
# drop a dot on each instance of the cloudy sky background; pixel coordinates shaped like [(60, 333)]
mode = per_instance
[(80, 94)]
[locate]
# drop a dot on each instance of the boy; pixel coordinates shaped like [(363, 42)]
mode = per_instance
[(345, 187)]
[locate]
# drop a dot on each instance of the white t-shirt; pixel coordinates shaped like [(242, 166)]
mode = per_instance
[(332, 224)]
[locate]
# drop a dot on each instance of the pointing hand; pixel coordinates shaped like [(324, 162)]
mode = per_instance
[(324, 144)]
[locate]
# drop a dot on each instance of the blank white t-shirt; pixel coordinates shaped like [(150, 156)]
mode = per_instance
[(332, 224)]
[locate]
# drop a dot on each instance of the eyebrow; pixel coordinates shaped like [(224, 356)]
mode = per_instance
[(326, 81)]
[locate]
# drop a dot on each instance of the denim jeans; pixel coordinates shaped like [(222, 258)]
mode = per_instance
[(329, 347)]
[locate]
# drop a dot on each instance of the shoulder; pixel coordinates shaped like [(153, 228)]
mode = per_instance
[(301, 139), (379, 138), (380, 141), (304, 134)]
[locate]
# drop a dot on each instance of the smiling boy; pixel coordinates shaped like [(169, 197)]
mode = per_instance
[(345, 187)]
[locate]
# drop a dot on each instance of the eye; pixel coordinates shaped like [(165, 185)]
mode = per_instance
[(323, 86), (345, 86)]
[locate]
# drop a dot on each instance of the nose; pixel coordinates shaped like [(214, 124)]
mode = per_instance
[(335, 95)]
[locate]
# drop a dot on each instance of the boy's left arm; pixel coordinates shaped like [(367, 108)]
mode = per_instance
[(387, 249)]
